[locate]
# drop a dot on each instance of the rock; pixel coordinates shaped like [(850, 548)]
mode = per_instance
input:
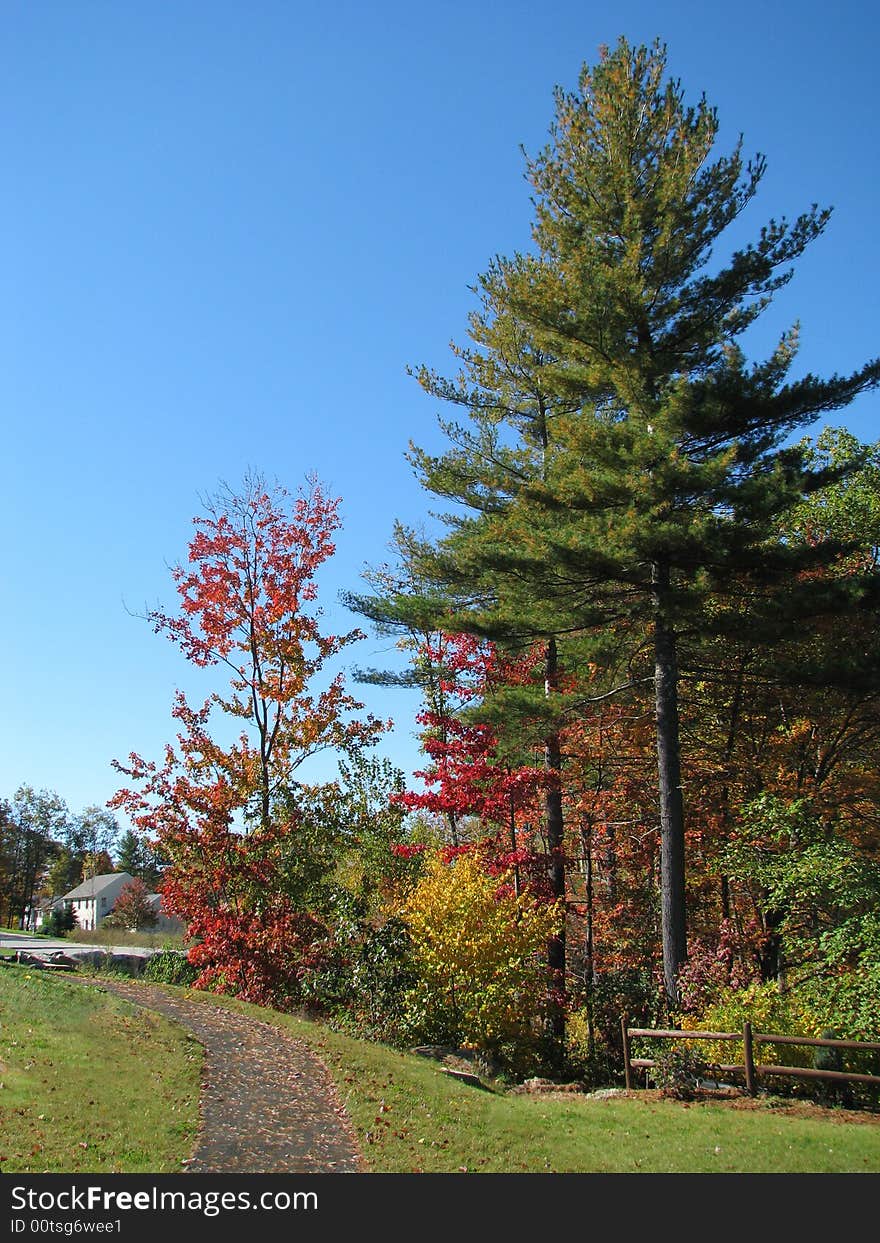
[(95, 958), (27, 959), (464, 1076), (60, 959), (536, 1085), (131, 964), (105, 960), (44, 962)]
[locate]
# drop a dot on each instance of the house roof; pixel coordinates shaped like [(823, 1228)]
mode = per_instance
[(96, 885)]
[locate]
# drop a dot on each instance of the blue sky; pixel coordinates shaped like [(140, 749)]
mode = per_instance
[(227, 228)]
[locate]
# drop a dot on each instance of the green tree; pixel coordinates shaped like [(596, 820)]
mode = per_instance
[(849, 508), (129, 853), (821, 896), (136, 855), (625, 469), (7, 850), (82, 849), (92, 831), (414, 627), (96, 863), (59, 921), (35, 822), (65, 872)]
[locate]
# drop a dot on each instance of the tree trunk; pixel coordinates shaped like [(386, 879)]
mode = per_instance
[(672, 899), (589, 973), (727, 819), (771, 960), (555, 843), (517, 884)]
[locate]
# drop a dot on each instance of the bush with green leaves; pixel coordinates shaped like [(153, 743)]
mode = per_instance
[(593, 1039), (847, 994), (811, 1011), (768, 1010), (820, 890), (60, 920), (169, 966), (590, 1056), (361, 981)]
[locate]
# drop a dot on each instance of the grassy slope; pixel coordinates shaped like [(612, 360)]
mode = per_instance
[(65, 1106), (411, 1117), (64, 1044)]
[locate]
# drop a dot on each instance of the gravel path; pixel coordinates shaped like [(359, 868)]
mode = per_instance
[(267, 1104)]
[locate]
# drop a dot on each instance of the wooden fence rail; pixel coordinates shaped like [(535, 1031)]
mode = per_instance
[(750, 1069)]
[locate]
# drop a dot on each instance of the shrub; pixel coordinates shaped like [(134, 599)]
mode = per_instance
[(381, 971), (480, 956), (678, 1070), (848, 998), (768, 1010), (595, 1061), (61, 920), (169, 967)]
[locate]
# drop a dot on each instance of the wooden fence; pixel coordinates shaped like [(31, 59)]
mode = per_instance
[(750, 1070)]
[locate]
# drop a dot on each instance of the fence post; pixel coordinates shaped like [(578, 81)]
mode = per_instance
[(749, 1059), (627, 1068)]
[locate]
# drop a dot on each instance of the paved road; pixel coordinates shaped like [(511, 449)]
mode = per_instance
[(48, 945)]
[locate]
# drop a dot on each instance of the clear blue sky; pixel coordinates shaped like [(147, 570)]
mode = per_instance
[(227, 228)]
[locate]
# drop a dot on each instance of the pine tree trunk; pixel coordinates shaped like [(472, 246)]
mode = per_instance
[(555, 841), (517, 885), (726, 817), (589, 973), (672, 899), (771, 960)]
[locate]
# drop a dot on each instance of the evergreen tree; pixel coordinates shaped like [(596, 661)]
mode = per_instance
[(139, 857), (129, 853), (624, 468)]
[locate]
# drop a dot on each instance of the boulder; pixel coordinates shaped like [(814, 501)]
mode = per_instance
[(62, 960), (131, 964), (464, 1076)]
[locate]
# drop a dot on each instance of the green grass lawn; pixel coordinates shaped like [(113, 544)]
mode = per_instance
[(90, 1083), (64, 1044)]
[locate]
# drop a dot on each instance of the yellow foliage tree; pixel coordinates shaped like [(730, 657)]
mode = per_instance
[(480, 953)]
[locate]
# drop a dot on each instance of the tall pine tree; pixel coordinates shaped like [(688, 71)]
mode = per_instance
[(623, 467)]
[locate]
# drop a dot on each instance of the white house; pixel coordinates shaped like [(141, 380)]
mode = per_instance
[(93, 900)]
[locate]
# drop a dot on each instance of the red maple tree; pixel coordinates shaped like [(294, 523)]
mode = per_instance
[(222, 811), (469, 775)]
